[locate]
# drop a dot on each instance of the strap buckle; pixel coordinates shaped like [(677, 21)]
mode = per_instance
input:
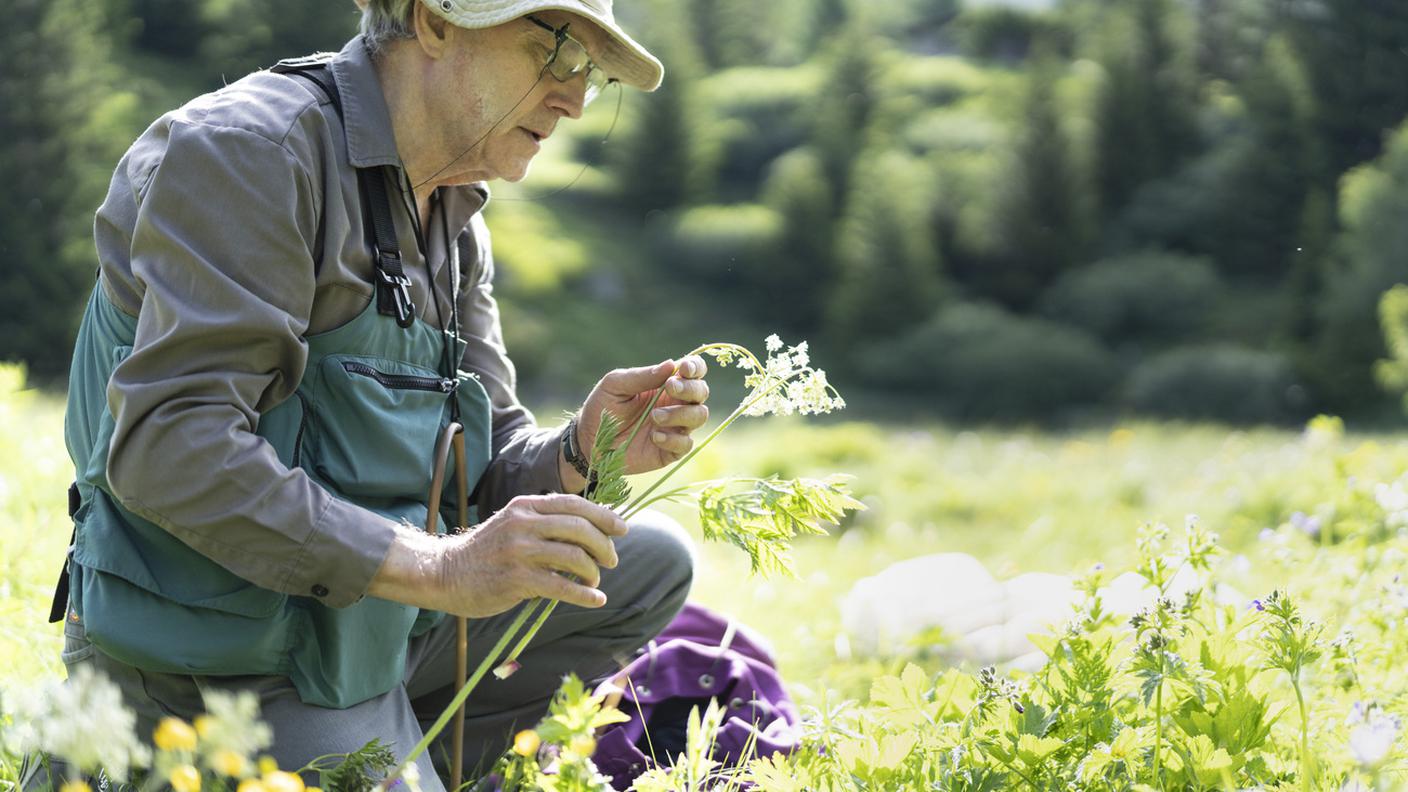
[(394, 291)]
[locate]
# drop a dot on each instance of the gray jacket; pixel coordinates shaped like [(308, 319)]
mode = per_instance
[(232, 228)]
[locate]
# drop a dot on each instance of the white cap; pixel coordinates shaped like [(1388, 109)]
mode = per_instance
[(622, 58)]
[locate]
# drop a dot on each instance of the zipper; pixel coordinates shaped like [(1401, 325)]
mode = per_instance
[(401, 381), (302, 424)]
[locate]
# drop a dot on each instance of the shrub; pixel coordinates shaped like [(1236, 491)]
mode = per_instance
[(979, 362), (1220, 382), (722, 244), (1155, 296)]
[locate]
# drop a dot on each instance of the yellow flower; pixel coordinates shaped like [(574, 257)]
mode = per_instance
[(268, 765), (251, 785), (205, 725), (174, 734), (185, 778), (228, 763), (526, 742), (75, 786), (280, 781), (582, 746)]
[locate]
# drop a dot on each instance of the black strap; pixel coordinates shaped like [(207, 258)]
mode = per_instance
[(59, 606), (393, 288)]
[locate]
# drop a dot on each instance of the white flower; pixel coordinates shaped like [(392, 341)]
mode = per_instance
[(81, 720), (1371, 741), (774, 343), (1393, 499)]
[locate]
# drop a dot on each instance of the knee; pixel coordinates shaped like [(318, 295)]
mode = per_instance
[(661, 548)]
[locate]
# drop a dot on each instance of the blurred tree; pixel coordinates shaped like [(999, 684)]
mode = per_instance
[(1354, 52), (849, 96), (733, 32), (975, 361), (255, 34), (665, 159), (1392, 373), (1146, 111), (825, 19), (64, 123), (1044, 221), (1154, 296), (803, 265), (1008, 34), (1370, 256), (888, 269), (172, 28)]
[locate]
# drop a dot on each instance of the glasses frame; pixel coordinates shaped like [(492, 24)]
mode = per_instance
[(596, 76)]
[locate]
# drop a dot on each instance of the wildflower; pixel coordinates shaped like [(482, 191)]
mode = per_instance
[(268, 765), (526, 742), (232, 722), (773, 343), (75, 785), (174, 734), (1371, 741), (206, 726), (582, 745), (184, 778), (1308, 525), (82, 720), (1256, 603), (228, 763), (251, 785), (507, 669), (281, 781)]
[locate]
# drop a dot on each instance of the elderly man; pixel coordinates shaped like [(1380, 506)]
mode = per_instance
[(294, 302)]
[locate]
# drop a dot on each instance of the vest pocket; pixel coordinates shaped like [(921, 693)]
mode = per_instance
[(374, 426)]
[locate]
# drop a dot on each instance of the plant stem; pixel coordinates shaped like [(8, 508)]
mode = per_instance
[(1159, 728), (458, 700), (1304, 737), (640, 502), (533, 630)]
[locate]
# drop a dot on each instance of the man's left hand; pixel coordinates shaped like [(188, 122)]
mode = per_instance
[(665, 435)]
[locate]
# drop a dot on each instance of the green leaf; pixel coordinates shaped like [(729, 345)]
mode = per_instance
[(1032, 750), (608, 463)]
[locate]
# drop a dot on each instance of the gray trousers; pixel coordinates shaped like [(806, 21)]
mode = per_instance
[(644, 592)]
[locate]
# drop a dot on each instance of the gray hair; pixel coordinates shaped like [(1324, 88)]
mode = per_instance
[(384, 21)]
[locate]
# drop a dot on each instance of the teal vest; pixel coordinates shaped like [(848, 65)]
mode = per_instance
[(363, 425)]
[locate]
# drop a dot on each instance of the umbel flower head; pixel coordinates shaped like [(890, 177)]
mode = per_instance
[(82, 721), (784, 384)]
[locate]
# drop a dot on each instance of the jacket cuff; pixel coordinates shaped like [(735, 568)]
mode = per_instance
[(345, 550)]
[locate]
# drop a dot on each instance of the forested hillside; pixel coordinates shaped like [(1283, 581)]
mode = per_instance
[(999, 211)]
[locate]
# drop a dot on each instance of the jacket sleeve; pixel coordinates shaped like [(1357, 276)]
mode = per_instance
[(222, 247), (525, 460)]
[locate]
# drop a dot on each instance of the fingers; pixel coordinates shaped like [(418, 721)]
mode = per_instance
[(674, 443), (571, 531), (603, 518), (685, 416), (630, 381), (555, 586)]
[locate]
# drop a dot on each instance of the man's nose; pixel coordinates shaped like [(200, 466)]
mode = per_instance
[(569, 98)]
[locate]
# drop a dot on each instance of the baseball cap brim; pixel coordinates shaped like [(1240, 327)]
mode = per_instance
[(621, 57)]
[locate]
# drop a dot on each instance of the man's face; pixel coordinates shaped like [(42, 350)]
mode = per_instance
[(495, 88)]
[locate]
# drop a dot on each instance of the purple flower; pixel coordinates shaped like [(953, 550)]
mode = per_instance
[(1256, 603), (1308, 525)]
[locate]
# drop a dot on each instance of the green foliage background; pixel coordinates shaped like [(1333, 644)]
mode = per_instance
[(1044, 211)]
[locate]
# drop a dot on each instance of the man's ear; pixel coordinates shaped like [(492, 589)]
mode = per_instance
[(432, 32)]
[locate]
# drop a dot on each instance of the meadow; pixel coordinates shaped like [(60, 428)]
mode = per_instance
[(1157, 711)]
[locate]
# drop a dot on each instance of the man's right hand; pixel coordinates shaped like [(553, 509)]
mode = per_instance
[(527, 549)]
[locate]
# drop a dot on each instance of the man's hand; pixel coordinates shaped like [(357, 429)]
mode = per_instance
[(665, 435), (528, 549)]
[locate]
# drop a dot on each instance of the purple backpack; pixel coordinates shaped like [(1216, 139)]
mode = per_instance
[(700, 656)]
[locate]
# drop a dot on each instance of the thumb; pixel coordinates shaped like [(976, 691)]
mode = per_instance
[(630, 381)]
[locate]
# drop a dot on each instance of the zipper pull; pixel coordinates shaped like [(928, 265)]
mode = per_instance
[(448, 385)]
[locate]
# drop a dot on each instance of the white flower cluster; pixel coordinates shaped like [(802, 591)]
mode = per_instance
[(788, 384), (82, 720), (1373, 735), (1393, 499)]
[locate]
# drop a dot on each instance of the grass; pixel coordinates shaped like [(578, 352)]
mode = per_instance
[(1020, 501)]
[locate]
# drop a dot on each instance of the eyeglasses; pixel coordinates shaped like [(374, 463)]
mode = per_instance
[(569, 59)]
